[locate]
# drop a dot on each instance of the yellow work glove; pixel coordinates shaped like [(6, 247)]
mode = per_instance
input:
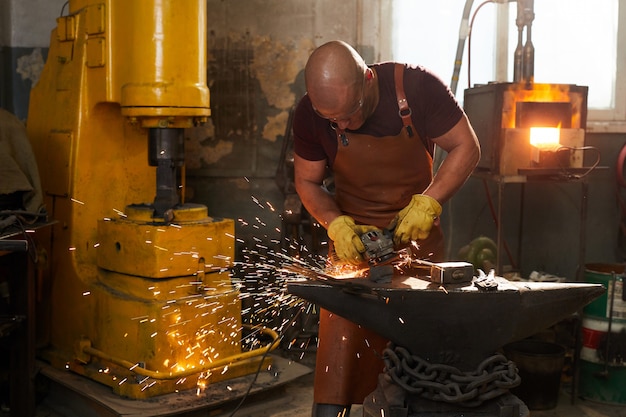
[(346, 236), (415, 220)]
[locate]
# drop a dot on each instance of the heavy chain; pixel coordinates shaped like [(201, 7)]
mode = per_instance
[(437, 382)]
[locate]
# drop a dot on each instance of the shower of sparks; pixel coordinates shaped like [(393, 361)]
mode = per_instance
[(257, 202), (195, 318), (120, 213)]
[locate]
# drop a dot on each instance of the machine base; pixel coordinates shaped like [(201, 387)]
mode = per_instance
[(74, 395)]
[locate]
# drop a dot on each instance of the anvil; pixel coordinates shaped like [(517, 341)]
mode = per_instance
[(456, 324)]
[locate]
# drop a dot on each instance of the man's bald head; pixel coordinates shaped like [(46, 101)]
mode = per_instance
[(333, 74)]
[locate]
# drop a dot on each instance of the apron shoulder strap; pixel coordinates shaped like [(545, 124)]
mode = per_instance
[(404, 111)]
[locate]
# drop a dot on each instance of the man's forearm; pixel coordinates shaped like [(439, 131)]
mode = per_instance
[(453, 173), (318, 202)]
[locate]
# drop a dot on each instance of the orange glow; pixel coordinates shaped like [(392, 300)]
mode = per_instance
[(541, 93), (345, 271), (545, 138)]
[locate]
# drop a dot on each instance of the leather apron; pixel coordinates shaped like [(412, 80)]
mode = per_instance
[(375, 177)]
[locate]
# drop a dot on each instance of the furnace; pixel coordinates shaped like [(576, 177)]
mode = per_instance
[(505, 114)]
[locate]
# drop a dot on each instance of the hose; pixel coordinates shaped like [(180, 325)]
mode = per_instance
[(469, 42), (187, 372)]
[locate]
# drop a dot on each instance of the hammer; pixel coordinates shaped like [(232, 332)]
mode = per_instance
[(449, 272)]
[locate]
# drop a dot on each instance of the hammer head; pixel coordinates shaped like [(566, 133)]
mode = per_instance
[(451, 272)]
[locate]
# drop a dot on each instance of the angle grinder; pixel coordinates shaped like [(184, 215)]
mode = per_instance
[(380, 254)]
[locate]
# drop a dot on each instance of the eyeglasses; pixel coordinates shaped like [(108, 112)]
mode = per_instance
[(350, 114)]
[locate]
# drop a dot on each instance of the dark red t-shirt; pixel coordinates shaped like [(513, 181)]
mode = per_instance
[(434, 112)]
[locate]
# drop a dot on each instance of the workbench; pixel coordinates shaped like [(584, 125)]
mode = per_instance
[(18, 273)]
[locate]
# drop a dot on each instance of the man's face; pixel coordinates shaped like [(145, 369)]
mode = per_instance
[(348, 113)]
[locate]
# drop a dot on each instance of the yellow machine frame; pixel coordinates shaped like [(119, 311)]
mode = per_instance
[(141, 303)]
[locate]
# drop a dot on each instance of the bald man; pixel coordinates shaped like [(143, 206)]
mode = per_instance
[(375, 127)]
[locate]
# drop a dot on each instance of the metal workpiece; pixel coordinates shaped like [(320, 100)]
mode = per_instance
[(456, 324)]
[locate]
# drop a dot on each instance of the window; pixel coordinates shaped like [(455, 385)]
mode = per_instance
[(576, 42)]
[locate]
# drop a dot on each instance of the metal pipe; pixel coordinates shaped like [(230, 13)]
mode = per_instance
[(463, 34), (525, 57), (518, 55), (134, 367), (529, 57)]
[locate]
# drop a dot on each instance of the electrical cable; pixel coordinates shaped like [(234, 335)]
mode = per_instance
[(469, 42), (565, 173), (464, 33), (593, 166), (258, 371), (438, 157), (63, 8), (497, 223)]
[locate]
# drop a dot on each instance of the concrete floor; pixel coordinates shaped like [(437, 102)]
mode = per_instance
[(294, 399)]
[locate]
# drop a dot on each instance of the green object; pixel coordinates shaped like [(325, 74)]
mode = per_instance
[(601, 274), (604, 387), (480, 251), (603, 380)]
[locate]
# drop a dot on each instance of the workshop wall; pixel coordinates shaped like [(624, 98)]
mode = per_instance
[(256, 52), (256, 56), (24, 39)]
